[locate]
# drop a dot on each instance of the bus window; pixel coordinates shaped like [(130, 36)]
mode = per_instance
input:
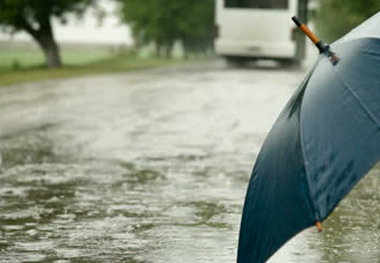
[(261, 4)]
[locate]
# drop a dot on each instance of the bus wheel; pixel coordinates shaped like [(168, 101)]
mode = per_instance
[(236, 61), (290, 62)]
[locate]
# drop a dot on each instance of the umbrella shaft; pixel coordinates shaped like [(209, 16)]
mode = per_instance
[(309, 34), (321, 46), (317, 42)]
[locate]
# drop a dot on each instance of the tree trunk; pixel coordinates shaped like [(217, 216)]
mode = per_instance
[(168, 51), (185, 48), (45, 38), (186, 54), (158, 50), (51, 51)]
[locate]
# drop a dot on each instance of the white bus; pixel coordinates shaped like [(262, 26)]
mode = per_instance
[(255, 29)]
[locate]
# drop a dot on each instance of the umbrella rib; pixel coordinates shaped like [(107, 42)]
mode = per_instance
[(366, 110), (312, 204)]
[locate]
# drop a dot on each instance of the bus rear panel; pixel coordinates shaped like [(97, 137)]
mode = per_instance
[(255, 29)]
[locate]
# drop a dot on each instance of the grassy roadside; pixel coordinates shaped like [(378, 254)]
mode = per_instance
[(26, 65), (115, 64), (104, 66)]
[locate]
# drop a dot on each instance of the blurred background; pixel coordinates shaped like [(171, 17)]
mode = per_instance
[(36, 34), (128, 128)]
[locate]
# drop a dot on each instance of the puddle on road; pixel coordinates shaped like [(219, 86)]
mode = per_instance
[(164, 186)]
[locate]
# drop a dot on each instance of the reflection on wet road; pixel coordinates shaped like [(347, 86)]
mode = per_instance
[(152, 166)]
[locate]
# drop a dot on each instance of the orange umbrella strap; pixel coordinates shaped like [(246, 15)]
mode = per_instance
[(310, 34), (322, 47)]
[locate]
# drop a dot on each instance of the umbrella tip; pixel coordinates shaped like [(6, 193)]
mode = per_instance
[(319, 226), (297, 21), (322, 47)]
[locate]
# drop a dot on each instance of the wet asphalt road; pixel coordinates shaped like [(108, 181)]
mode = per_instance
[(152, 166)]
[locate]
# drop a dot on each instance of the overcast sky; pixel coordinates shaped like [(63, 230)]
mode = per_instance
[(87, 29)]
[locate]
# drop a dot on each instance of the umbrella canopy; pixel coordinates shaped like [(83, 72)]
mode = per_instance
[(324, 141)]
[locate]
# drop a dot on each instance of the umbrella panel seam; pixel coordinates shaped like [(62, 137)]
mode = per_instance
[(311, 201)]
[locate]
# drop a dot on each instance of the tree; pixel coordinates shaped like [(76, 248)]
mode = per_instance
[(197, 26), (34, 17), (334, 18), (163, 22)]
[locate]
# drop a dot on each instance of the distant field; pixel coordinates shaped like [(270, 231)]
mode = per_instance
[(25, 63), (19, 58), (23, 55)]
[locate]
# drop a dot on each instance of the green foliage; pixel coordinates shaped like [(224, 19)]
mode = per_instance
[(17, 13), (163, 22), (336, 17), (34, 17)]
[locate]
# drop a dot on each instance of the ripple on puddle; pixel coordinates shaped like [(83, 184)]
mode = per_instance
[(12, 227), (68, 253), (24, 257), (34, 246)]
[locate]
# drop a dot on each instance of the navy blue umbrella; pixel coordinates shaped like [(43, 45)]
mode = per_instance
[(324, 141)]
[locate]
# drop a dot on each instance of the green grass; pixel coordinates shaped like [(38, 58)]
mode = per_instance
[(20, 65), (19, 58)]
